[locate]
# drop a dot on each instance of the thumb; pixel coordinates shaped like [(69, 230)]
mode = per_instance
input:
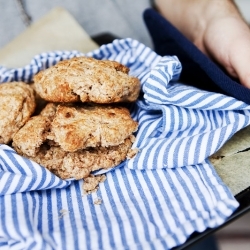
[(240, 61)]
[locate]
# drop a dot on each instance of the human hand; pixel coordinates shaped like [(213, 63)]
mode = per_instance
[(217, 28)]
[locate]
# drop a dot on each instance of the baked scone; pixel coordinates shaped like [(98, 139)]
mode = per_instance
[(87, 80), (75, 128), (80, 164), (42, 147), (17, 104)]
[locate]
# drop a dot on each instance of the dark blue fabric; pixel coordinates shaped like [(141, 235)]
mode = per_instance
[(198, 69)]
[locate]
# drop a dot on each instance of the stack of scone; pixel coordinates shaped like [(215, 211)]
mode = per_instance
[(83, 127)]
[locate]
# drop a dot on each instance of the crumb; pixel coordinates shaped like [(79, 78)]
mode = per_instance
[(91, 183), (132, 153), (98, 201), (215, 159), (63, 212)]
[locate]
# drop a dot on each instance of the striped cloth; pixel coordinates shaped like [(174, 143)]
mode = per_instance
[(155, 200)]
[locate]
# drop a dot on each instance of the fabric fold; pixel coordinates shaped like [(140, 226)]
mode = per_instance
[(18, 174)]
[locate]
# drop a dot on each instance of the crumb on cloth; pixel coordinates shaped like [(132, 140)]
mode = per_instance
[(63, 212), (132, 153), (90, 183), (98, 201)]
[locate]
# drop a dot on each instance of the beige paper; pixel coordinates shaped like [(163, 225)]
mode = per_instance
[(234, 170), (239, 142), (58, 30), (232, 161)]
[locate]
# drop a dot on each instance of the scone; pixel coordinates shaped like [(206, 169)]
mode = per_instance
[(87, 80), (49, 146), (75, 128), (17, 105)]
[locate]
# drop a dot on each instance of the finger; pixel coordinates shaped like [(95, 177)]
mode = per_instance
[(240, 61)]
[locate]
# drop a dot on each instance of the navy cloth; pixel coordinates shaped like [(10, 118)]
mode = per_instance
[(198, 70)]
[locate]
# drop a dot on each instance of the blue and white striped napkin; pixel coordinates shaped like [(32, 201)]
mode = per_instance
[(155, 200)]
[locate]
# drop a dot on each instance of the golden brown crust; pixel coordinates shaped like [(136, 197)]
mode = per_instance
[(34, 133), (75, 128), (31, 136), (88, 80), (17, 105)]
